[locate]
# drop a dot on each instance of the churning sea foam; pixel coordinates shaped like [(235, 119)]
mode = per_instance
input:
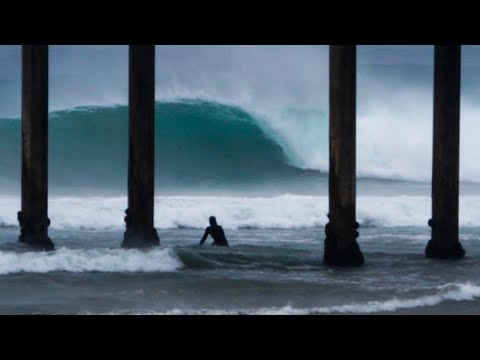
[(447, 292), (281, 212), (92, 260)]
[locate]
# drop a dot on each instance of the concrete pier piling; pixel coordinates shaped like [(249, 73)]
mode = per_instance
[(140, 230), (341, 247), (446, 155), (33, 217)]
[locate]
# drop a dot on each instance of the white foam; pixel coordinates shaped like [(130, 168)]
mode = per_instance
[(94, 260), (447, 292), (282, 212)]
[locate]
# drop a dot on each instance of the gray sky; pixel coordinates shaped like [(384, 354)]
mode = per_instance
[(97, 74), (213, 56)]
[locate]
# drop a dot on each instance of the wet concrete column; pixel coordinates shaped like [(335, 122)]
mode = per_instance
[(341, 247), (140, 232), (446, 155), (33, 217)]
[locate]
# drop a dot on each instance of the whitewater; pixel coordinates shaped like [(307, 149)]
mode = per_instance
[(282, 212), (242, 134)]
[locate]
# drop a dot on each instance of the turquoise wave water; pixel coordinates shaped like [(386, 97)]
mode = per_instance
[(197, 142)]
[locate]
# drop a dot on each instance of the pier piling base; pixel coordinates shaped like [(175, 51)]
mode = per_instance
[(455, 252), (135, 239), (33, 236), (334, 255)]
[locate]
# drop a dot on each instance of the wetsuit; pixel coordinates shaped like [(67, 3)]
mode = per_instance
[(218, 235)]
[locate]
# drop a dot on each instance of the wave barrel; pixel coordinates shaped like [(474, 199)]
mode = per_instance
[(446, 155), (341, 247), (33, 217), (140, 231)]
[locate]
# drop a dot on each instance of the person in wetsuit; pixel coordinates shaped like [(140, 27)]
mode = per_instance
[(216, 232)]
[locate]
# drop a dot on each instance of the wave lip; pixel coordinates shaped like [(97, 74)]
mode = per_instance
[(95, 260)]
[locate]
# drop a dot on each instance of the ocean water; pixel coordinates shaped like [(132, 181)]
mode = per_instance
[(264, 272), (242, 134)]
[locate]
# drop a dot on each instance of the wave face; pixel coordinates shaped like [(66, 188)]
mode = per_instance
[(197, 142), (205, 144)]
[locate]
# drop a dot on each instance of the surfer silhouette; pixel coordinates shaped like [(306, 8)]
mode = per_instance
[(216, 232)]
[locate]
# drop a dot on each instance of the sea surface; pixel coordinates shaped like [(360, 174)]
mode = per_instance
[(263, 272)]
